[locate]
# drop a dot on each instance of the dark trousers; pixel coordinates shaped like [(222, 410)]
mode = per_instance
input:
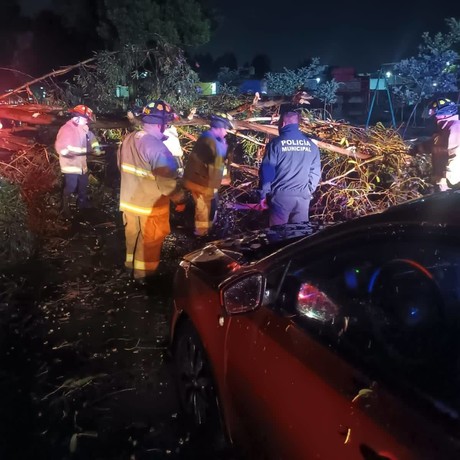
[(285, 209), (76, 183)]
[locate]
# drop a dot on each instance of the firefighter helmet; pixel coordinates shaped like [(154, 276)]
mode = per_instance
[(83, 111), (442, 108), (221, 120), (158, 112)]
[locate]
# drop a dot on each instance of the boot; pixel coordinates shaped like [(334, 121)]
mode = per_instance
[(65, 206)]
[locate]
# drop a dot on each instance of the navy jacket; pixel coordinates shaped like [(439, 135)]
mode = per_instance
[(205, 164), (291, 164)]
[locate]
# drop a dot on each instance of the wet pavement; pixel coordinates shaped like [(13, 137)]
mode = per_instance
[(84, 366)]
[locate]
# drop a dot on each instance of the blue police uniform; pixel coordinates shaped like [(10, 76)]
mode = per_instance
[(289, 174)]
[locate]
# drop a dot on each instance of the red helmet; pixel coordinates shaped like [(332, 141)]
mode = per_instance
[(83, 111)]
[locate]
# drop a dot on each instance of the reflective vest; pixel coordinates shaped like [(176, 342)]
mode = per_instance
[(74, 139), (446, 150), (148, 174), (205, 165)]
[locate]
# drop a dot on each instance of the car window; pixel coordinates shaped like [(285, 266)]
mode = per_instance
[(387, 302)]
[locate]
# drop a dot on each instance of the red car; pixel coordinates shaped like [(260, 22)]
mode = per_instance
[(342, 344)]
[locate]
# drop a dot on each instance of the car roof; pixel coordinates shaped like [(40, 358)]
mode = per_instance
[(437, 208)]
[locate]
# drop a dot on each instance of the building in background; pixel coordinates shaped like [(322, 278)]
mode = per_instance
[(352, 95)]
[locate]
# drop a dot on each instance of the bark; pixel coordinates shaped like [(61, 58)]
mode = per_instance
[(273, 130), (21, 113)]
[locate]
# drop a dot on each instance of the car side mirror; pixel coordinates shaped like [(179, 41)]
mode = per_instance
[(314, 304), (243, 295)]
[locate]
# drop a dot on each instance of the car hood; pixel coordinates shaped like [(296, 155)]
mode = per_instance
[(223, 257)]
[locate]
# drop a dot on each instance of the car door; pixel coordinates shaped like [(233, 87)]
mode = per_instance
[(320, 381), (277, 383), (291, 393), (408, 312)]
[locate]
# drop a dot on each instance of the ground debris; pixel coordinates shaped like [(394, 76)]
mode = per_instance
[(84, 352)]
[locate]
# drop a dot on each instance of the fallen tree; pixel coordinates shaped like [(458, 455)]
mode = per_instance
[(363, 170)]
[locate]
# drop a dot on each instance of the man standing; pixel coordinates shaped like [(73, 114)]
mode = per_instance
[(446, 143), (148, 180), (74, 142), (289, 173), (204, 171)]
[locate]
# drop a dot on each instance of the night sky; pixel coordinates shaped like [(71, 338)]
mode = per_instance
[(356, 34), (30, 7)]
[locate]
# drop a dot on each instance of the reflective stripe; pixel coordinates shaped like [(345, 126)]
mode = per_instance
[(64, 152), (134, 209), (72, 170), (141, 265), (130, 169), (150, 211), (129, 257), (74, 149)]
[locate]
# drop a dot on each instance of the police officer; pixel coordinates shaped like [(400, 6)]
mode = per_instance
[(289, 173), (446, 143)]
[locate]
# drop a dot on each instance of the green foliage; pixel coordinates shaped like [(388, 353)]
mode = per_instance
[(227, 98), (433, 70), (327, 92), (288, 82), (180, 22), (442, 42), (425, 76), (160, 72)]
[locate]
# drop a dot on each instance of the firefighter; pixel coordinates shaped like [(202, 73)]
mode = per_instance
[(74, 141), (148, 183), (204, 171), (446, 143)]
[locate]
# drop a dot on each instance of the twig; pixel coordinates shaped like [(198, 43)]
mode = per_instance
[(8, 165), (55, 73)]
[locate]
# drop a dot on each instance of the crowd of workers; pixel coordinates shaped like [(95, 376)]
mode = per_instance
[(153, 176)]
